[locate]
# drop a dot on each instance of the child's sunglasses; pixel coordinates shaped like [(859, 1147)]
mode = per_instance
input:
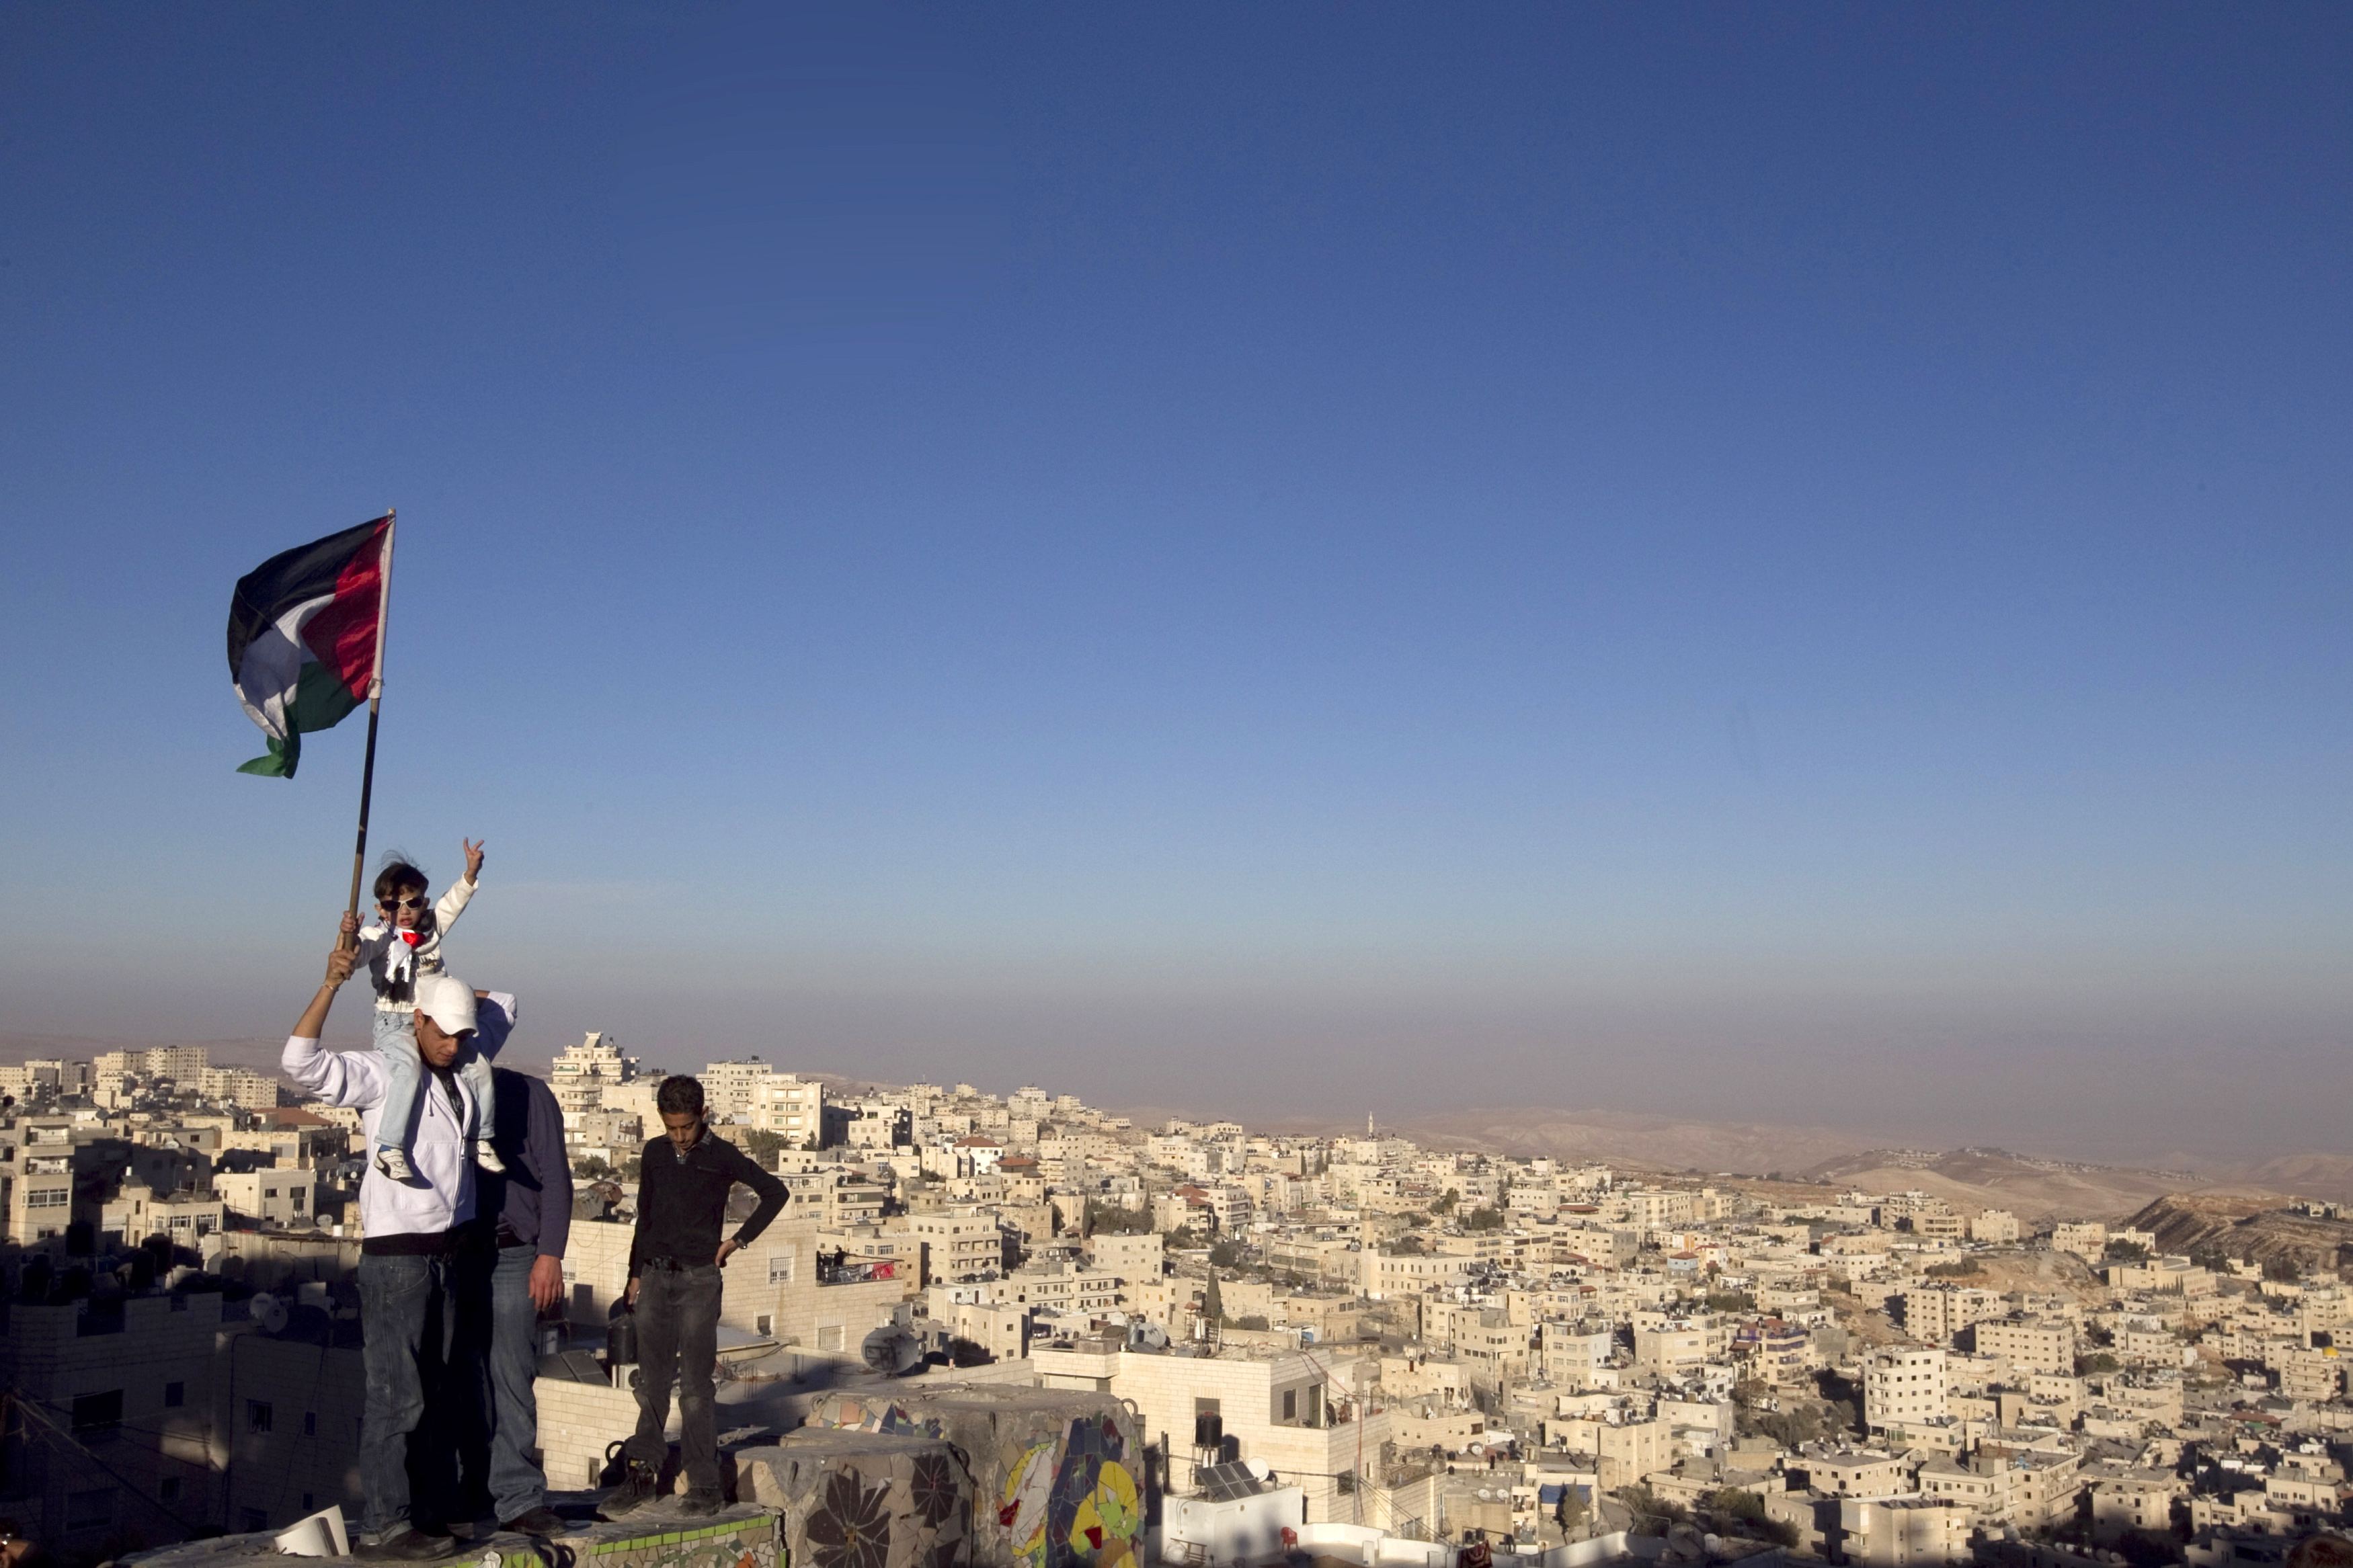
[(390, 904)]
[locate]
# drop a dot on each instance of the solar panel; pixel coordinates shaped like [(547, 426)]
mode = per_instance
[(1225, 1482)]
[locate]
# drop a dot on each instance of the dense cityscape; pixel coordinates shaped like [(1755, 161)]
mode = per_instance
[(1399, 1343)]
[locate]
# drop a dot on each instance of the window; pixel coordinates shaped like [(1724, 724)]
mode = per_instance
[(168, 1489), (175, 1395), (780, 1268), (828, 1337), (765, 1323), (310, 1428), (308, 1505), (256, 1520), (257, 1415), (90, 1509), (49, 1198), (1291, 1405), (95, 1416)]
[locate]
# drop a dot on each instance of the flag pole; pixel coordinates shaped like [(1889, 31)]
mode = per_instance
[(376, 701)]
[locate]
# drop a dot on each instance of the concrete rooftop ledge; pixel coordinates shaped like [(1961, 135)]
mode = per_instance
[(656, 1536)]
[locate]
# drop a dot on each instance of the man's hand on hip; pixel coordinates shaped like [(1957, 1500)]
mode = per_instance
[(727, 1250)]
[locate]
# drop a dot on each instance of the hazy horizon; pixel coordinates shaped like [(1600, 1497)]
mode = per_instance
[(1760, 566)]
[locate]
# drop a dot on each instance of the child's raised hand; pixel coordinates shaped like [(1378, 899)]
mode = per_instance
[(473, 848)]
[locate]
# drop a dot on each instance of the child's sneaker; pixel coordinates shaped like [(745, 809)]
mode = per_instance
[(488, 1159), (394, 1164)]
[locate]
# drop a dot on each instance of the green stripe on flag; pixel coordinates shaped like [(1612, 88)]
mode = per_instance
[(320, 700)]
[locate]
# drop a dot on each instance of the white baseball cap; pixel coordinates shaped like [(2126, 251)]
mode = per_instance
[(447, 1001)]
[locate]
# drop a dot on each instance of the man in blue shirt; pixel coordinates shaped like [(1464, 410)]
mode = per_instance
[(531, 1206)]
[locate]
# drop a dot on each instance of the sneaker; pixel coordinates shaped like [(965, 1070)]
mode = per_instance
[(487, 1159), (394, 1164), (635, 1490), (539, 1520), (403, 1545), (701, 1501)]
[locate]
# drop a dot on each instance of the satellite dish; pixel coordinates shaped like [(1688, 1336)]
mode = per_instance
[(890, 1349), (269, 1312)]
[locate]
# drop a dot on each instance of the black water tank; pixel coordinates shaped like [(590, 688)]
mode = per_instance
[(1209, 1430)]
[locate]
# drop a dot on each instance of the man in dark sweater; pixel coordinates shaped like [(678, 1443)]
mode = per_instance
[(531, 1204), (684, 1178)]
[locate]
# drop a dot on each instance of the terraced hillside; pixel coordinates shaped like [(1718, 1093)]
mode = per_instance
[(2248, 1226)]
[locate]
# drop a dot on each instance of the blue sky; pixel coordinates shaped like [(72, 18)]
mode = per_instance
[(1767, 562)]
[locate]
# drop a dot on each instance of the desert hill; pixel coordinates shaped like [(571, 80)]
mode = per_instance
[(2030, 1187), (1631, 1139)]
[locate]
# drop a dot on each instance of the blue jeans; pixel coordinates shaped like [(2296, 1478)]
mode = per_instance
[(404, 1069), (517, 1482), (407, 1314)]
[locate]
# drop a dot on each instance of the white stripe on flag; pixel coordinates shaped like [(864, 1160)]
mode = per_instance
[(274, 666)]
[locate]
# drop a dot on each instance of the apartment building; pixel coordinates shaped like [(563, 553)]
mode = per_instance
[(1133, 1256), (2086, 1238), (1574, 1353), (1302, 1415), (789, 1106), (959, 1245), (1938, 1312), (581, 1074), (246, 1090), (279, 1199), (1897, 1531), (128, 1385), (1387, 1274), (1903, 1386), (730, 1088), (2028, 1345), (1625, 1447)]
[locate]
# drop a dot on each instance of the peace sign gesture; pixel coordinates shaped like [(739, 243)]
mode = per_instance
[(473, 848)]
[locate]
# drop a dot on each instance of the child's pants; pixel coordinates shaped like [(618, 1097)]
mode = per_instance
[(396, 1038)]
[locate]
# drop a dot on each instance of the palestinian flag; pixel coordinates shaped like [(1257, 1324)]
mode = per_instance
[(303, 635)]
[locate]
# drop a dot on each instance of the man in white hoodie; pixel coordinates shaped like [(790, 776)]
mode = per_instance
[(410, 1241)]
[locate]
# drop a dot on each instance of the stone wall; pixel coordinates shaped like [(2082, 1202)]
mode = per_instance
[(577, 1421)]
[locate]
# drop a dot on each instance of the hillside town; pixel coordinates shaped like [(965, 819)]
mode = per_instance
[(1515, 1356)]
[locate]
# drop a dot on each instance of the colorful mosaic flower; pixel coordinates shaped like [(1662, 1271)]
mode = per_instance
[(1029, 1496), (933, 1489), (1107, 1519), (851, 1528)]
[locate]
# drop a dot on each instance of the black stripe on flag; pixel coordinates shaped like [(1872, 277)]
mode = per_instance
[(287, 579)]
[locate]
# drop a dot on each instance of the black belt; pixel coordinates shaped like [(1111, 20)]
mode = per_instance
[(669, 1265)]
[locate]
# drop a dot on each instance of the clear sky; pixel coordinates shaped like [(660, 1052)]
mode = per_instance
[(1763, 561)]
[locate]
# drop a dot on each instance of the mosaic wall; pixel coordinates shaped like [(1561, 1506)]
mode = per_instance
[(1057, 1475), (862, 1499)]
